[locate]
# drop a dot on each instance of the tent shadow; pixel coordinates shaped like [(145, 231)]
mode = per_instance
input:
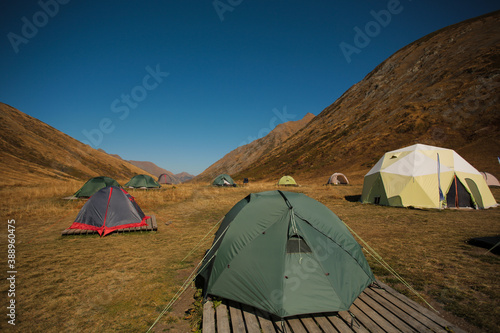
[(353, 198)]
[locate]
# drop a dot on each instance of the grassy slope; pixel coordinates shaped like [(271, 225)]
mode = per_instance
[(33, 152), (122, 282)]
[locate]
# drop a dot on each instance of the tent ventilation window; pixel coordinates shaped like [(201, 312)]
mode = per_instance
[(297, 244)]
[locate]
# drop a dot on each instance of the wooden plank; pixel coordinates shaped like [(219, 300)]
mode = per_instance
[(237, 321), (338, 324), (295, 324), (394, 320), (222, 318), (402, 306), (419, 308), (326, 325), (265, 321), (76, 232), (251, 321), (354, 324), (287, 329), (148, 225), (376, 310), (375, 315), (364, 318), (310, 324), (398, 311), (208, 318), (153, 223)]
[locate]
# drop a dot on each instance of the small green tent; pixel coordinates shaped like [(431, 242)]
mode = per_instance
[(93, 185), (142, 181), (287, 254), (287, 181), (223, 180)]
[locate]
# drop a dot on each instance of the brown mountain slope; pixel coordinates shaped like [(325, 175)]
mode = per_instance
[(157, 171), (184, 176), (32, 151), (442, 90), (154, 169), (149, 167), (244, 156)]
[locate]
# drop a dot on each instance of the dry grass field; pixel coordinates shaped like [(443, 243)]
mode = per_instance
[(123, 281)]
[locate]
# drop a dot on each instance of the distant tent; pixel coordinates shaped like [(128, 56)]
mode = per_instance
[(490, 179), (223, 180), (287, 181), (337, 178), (287, 254), (109, 209), (93, 185), (165, 178), (412, 176), (142, 181)]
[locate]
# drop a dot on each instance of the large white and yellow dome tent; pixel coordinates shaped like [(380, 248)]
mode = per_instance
[(416, 175)]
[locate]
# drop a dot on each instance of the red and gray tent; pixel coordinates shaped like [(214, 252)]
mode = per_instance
[(110, 209), (165, 178)]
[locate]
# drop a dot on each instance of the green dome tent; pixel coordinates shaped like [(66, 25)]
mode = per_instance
[(287, 254), (223, 180), (287, 181), (142, 181), (93, 185)]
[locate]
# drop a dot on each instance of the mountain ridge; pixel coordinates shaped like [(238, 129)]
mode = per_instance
[(155, 170), (443, 90), (243, 156), (33, 151)]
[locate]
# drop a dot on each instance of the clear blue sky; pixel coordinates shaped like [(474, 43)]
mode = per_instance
[(182, 83)]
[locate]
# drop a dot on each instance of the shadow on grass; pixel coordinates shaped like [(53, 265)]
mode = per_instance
[(353, 198)]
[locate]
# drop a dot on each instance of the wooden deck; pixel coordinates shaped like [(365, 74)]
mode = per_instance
[(375, 310), (151, 226)]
